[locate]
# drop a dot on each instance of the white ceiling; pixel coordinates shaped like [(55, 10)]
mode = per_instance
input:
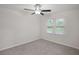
[(53, 7)]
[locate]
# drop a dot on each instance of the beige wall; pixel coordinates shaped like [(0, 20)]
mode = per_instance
[(71, 32), (17, 28)]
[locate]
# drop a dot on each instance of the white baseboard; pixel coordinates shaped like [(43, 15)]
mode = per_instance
[(61, 43)]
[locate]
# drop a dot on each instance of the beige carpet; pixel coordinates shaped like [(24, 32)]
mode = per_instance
[(40, 47)]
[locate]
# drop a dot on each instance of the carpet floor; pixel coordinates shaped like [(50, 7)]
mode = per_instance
[(40, 47)]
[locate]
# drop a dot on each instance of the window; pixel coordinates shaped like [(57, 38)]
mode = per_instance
[(50, 22), (59, 29), (49, 30), (50, 26), (55, 26)]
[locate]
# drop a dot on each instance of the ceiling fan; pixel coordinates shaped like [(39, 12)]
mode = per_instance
[(37, 10)]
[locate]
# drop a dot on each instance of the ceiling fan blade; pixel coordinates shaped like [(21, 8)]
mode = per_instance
[(32, 13), (41, 13), (28, 9), (45, 10)]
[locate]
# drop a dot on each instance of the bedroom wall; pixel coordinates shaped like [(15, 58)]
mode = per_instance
[(17, 28), (71, 32)]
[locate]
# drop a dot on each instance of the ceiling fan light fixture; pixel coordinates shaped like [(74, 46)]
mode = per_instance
[(37, 12)]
